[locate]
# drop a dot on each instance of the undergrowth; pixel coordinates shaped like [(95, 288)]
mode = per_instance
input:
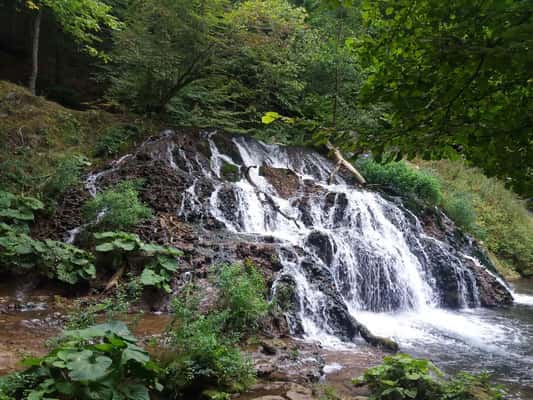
[(401, 377), (500, 218), (117, 208)]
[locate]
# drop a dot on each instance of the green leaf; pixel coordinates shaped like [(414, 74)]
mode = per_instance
[(168, 263), (136, 391), (270, 117), (87, 369), (150, 278), (134, 352), (105, 247)]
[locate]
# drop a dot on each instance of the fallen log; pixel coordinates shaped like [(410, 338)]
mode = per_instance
[(341, 162)]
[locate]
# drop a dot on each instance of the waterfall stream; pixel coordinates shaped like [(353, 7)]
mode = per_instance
[(343, 249)]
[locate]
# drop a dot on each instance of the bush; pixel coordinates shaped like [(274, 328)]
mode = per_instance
[(19, 254), (403, 377), (403, 179), (458, 206), (114, 139), (116, 209), (204, 347), (201, 356), (242, 291), (159, 262), (99, 362), (18, 210), (502, 220), (67, 174)]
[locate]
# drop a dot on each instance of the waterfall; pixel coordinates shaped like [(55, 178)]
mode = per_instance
[(345, 250), (373, 253)]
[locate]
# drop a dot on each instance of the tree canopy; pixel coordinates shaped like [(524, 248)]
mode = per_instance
[(457, 78)]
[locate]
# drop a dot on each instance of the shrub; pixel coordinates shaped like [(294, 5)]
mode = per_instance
[(111, 142), (403, 377), (99, 362), (19, 253), (201, 356), (458, 206), (405, 180), (242, 291), (160, 262), (66, 175), (117, 208)]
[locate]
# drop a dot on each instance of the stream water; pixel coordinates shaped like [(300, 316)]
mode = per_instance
[(498, 340)]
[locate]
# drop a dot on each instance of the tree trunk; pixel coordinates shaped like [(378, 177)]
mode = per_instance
[(35, 51)]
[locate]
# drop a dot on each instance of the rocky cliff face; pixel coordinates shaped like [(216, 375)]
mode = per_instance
[(325, 249)]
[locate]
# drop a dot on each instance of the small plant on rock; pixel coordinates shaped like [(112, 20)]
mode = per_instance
[(242, 294), (202, 354), (116, 208), (66, 175)]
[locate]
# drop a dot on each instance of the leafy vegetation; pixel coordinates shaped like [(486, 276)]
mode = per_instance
[(472, 101), (18, 210), (116, 208), (159, 262), (114, 139), (204, 355), (20, 254), (242, 295), (403, 179), (66, 175), (102, 361), (492, 213), (403, 377)]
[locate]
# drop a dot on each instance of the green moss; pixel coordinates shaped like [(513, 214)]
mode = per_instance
[(230, 172), (37, 134)]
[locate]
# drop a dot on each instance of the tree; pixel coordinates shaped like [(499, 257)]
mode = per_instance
[(81, 19), (166, 46), (457, 78)]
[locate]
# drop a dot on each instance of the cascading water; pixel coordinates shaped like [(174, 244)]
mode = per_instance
[(345, 251)]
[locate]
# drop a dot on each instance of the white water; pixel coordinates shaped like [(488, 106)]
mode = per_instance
[(340, 240)]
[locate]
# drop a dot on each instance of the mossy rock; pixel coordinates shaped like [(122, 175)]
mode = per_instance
[(230, 172)]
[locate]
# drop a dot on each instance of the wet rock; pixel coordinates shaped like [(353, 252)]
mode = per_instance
[(299, 392), (298, 362), (285, 181), (268, 348)]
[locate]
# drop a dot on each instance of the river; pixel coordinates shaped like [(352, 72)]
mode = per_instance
[(498, 340)]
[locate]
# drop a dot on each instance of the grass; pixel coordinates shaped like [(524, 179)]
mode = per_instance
[(499, 217), (36, 134)]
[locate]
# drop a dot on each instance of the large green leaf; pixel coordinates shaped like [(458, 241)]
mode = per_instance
[(89, 369), (150, 278), (17, 214), (135, 391), (134, 352), (105, 247)]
